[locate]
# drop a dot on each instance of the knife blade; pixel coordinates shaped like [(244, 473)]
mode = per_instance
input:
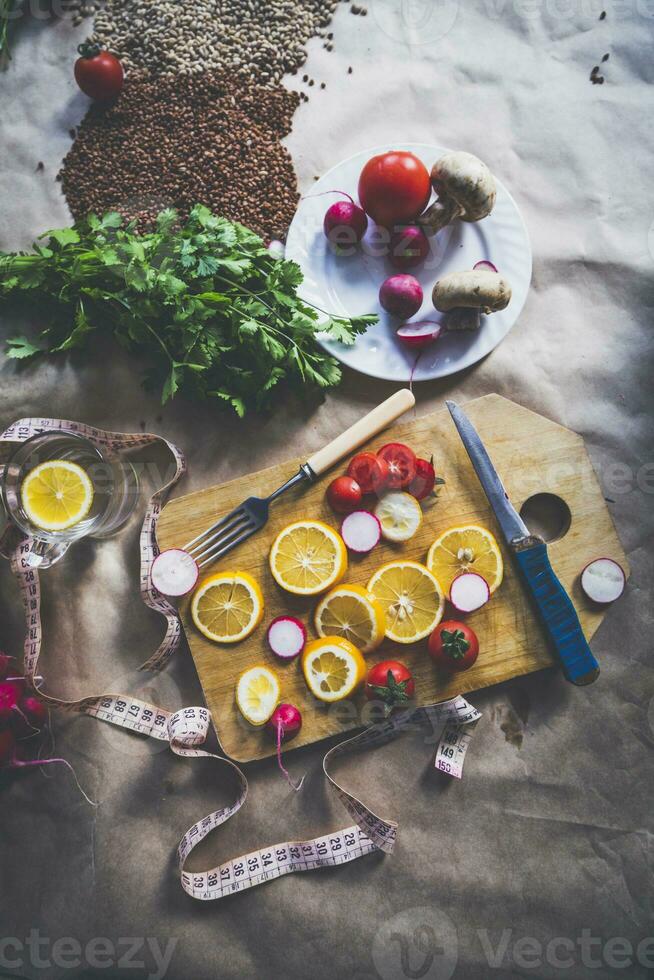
[(556, 612)]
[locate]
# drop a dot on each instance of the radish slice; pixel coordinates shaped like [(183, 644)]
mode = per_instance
[(361, 531), (174, 572), (420, 333), (469, 592), (485, 264), (603, 580), (286, 637)]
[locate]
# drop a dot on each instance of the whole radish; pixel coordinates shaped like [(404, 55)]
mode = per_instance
[(409, 247), (345, 223), (31, 714), (285, 720), (401, 295)]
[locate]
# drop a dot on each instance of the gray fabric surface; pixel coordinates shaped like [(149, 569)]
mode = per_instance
[(546, 839)]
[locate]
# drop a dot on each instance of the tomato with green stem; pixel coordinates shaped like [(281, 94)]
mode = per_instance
[(390, 682), (453, 645)]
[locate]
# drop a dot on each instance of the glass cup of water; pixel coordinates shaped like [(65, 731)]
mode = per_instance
[(108, 479)]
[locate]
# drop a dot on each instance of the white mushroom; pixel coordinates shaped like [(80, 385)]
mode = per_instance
[(465, 188), (464, 296)]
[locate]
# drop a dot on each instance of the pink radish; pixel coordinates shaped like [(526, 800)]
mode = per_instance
[(409, 247), (603, 580), (29, 716), (361, 531), (174, 572), (420, 333), (401, 295), (286, 637), (285, 722), (276, 248), (469, 591), (485, 264), (345, 222)]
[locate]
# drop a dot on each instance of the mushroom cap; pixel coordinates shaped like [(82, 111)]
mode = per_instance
[(465, 178), (475, 289)]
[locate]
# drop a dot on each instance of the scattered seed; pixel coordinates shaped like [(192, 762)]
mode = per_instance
[(605, 58), (602, 16), (39, 166)]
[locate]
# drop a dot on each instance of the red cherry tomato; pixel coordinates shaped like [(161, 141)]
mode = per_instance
[(394, 188), (401, 464), (391, 682), (453, 645), (424, 480), (98, 73), (344, 494), (369, 471)]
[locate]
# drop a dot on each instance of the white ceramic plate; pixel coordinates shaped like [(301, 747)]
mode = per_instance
[(349, 285)]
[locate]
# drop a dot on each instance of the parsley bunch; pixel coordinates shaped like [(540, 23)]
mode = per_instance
[(213, 313)]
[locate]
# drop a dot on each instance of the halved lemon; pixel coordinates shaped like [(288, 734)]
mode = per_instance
[(333, 668), (56, 495), (469, 548), (227, 606), (257, 694), (412, 599), (354, 613), (399, 514), (308, 557)]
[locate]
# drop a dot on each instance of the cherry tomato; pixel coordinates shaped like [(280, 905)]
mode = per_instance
[(369, 471), (424, 480), (453, 645), (401, 464), (98, 73), (394, 188), (391, 682), (344, 494)]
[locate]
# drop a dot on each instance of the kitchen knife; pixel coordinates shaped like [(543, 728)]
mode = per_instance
[(553, 604)]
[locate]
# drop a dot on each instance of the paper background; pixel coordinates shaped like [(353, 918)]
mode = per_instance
[(545, 840)]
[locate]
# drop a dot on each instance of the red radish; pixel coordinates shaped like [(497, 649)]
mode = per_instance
[(485, 264), (285, 722), (361, 531), (409, 247), (7, 747), (603, 580), (420, 334), (5, 662), (469, 591), (9, 695), (286, 638), (34, 710), (174, 572), (401, 295), (345, 222)]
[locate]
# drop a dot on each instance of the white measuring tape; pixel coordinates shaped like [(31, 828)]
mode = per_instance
[(187, 729)]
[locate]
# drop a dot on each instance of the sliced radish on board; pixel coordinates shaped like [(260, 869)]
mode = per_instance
[(361, 531), (469, 591), (286, 637), (485, 264), (420, 333), (603, 580), (174, 572)]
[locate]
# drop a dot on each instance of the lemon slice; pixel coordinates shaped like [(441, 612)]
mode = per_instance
[(469, 548), (257, 694), (308, 557), (411, 597), (56, 495), (400, 516), (333, 668), (227, 606), (352, 612)]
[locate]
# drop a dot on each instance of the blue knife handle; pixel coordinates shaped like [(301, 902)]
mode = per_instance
[(556, 611)]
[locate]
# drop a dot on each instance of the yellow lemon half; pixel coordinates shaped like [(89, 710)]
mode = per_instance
[(333, 668), (227, 606), (469, 548), (412, 599), (257, 694), (56, 495), (354, 613), (308, 557)]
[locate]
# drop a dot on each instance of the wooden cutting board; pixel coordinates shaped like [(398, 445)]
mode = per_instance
[(532, 455)]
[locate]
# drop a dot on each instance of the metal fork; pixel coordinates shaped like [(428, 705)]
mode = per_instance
[(252, 514)]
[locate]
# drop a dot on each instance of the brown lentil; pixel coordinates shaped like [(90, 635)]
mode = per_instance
[(175, 141)]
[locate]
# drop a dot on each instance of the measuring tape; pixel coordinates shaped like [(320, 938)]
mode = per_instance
[(186, 730)]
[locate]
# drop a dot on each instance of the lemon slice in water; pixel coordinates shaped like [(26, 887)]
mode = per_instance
[(56, 495)]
